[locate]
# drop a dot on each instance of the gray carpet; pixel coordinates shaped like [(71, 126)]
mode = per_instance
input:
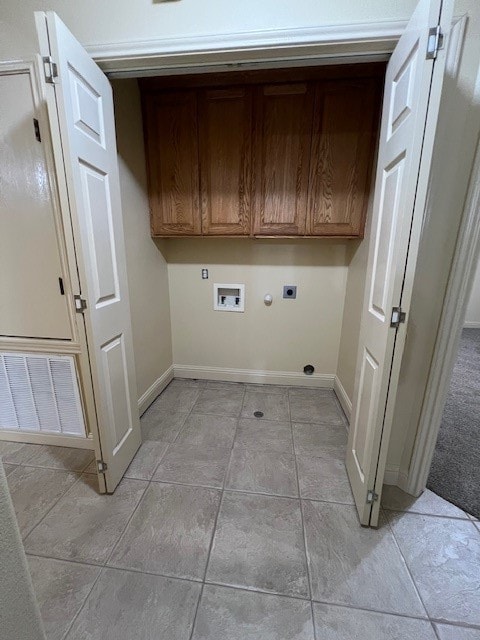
[(455, 472)]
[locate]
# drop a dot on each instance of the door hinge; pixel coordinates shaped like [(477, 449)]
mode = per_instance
[(51, 70), (101, 466), (80, 304), (36, 128), (371, 496), (398, 316), (435, 42)]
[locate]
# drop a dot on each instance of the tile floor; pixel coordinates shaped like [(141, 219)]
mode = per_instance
[(230, 527)]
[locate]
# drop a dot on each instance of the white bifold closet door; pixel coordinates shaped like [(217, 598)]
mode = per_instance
[(80, 105), (411, 103)]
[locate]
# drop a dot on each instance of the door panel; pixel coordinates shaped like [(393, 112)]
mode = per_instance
[(31, 302), (284, 128), (225, 132), (411, 102), (384, 251), (118, 400), (98, 220), (82, 109)]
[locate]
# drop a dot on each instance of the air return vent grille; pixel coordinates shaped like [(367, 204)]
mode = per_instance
[(40, 393)]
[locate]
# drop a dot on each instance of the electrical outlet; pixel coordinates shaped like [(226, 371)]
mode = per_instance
[(204, 274), (290, 291)]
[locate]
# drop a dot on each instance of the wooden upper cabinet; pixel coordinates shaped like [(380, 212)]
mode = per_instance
[(343, 148), (283, 123), (266, 153), (172, 160), (225, 138)]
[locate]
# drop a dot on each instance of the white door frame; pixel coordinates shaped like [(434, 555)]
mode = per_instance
[(462, 273), (344, 43)]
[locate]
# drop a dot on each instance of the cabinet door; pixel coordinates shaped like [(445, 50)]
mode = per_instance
[(344, 136), (225, 132), (283, 133), (172, 163), (32, 304)]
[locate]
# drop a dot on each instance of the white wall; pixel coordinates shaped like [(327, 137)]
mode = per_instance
[(121, 21), (280, 338), (146, 266), (472, 317)]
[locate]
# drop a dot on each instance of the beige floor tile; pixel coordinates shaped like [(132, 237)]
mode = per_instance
[(356, 566), (34, 491), (226, 613), (262, 472), (17, 452), (60, 588), (323, 479), (259, 544), (126, 605), (67, 458), (443, 556), (394, 499), (146, 460), (170, 533), (342, 623), (264, 435), (194, 464), (85, 525), (274, 406)]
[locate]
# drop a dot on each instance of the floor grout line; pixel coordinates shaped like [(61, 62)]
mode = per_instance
[(428, 515), (222, 492), (343, 605), (451, 623), (455, 624), (302, 517), (81, 607), (214, 530), (24, 538), (190, 636), (406, 566), (88, 563), (264, 592), (102, 567), (435, 630), (105, 563)]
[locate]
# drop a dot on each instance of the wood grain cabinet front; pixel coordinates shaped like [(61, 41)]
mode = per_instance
[(258, 158), (283, 134), (171, 137), (225, 133), (342, 152)]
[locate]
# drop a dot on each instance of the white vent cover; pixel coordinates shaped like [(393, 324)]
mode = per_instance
[(40, 393)]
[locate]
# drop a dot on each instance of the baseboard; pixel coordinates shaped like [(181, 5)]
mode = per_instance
[(154, 390), (288, 378), (343, 398), (471, 325), (74, 442), (395, 477), (391, 476)]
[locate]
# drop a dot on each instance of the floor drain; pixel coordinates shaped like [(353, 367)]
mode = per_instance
[(258, 414)]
